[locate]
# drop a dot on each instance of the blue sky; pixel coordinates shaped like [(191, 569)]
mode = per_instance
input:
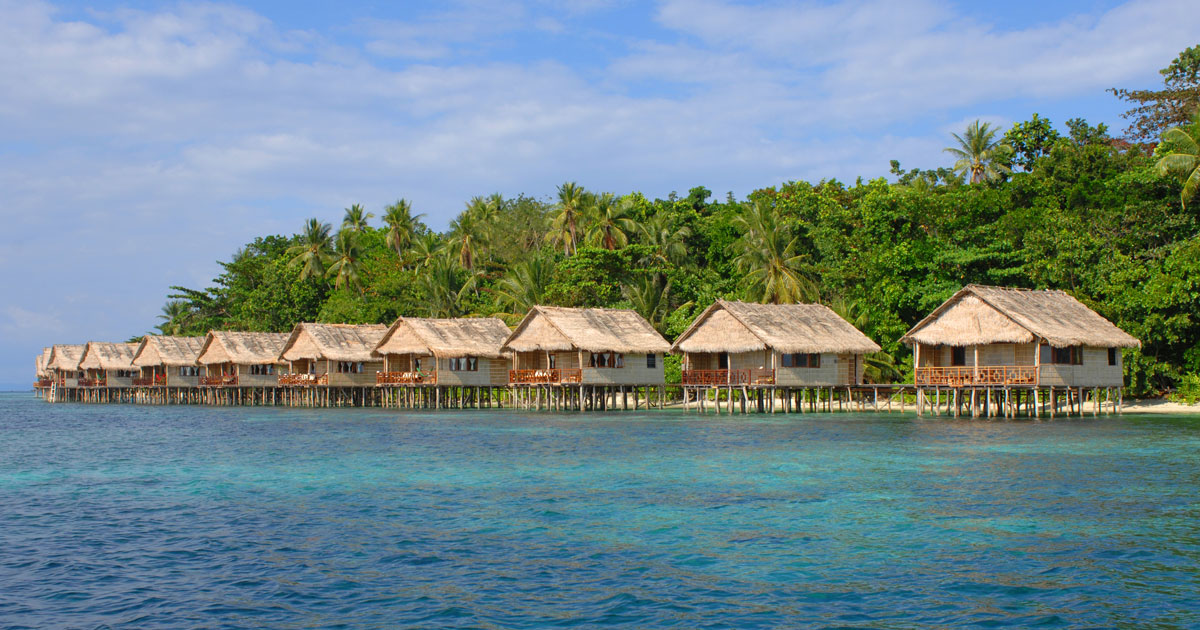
[(140, 142)]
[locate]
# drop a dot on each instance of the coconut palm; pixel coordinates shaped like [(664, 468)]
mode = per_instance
[(175, 316), (667, 244), (314, 249), (525, 284), (566, 216), (980, 155), (649, 296), (1182, 160), (767, 257), (470, 232), (401, 225), (427, 248), (356, 218), (441, 287), (878, 367), (347, 261), (610, 222)]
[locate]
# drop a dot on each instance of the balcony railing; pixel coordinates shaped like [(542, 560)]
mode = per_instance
[(149, 381), (549, 376), (303, 379), (412, 377), (220, 380), (745, 376), (982, 376), (43, 382), (93, 382)]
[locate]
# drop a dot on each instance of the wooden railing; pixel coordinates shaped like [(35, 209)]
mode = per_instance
[(984, 375), (220, 380), (744, 376), (545, 376), (303, 379), (412, 377), (149, 381), (43, 382), (93, 382)]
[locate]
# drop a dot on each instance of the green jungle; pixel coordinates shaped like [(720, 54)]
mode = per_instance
[(1114, 221)]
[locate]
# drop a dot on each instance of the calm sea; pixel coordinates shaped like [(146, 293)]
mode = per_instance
[(141, 517)]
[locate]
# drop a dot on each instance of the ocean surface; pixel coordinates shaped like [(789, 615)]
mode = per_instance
[(188, 517)]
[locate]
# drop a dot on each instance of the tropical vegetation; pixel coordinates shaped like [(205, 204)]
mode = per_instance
[(1113, 222)]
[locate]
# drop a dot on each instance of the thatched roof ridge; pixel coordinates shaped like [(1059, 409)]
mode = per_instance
[(446, 338), (101, 355), (555, 328), (728, 326), (167, 350), (41, 362), (65, 357), (981, 315), (333, 342), (242, 348)]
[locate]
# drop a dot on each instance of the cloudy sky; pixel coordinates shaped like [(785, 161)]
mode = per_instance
[(142, 141)]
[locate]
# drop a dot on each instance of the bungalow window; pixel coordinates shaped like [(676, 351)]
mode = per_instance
[(262, 369), (350, 367), (958, 356), (607, 360), (188, 370), (124, 373), (652, 360), (1112, 356), (1071, 355), (801, 360), (552, 361), (464, 364), (723, 361), (416, 364)]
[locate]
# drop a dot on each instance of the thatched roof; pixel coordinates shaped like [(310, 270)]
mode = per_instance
[(979, 315), (242, 348), (333, 342), (65, 357), (553, 328), (741, 327), (41, 361), (169, 351), (447, 338), (99, 355)]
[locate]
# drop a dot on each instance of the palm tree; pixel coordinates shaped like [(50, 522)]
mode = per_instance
[(441, 288), (611, 224), (313, 250), (878, 367), (1182, 160), (775, 272), (525, 284), (566, 216), (427, 248), (401, 225), (175, 316), (356, 218), (667, 245), (649, 297), (347, 262), (469, 233), (980, 155)]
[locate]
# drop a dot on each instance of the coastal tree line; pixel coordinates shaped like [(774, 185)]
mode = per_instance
[(1113, 221)]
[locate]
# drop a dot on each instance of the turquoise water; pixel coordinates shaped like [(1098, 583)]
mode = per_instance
[(141, 517)]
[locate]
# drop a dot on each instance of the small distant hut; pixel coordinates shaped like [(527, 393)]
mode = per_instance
[(108, 364), (64, 364), (338, 355), (992, 336), (245, 359), (793, 345), (593, 346), (452, 352), (168, 361), (42, 374)]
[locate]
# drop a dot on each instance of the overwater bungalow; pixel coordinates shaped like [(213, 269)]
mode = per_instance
[(42, 373), (241, 359), (167, 361), (786, 345), (997, 337), (449, 352), (63, 364), (337, 355), (591, 346), (107, 364)]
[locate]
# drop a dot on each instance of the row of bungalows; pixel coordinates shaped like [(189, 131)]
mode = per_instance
[(982, 337)]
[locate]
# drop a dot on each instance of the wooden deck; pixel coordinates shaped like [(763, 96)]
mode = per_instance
[(722, 378), (223, 380), (555, 376), (981, 376), (412, 377), (303, 380)]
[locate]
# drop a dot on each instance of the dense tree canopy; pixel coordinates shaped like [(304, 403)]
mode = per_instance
[(1081, 212)]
